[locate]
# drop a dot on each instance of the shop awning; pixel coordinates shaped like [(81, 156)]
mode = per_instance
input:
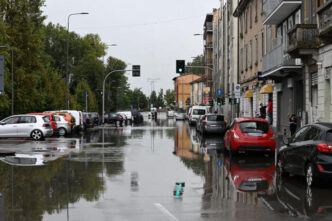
[(266, 89), (248, 94)]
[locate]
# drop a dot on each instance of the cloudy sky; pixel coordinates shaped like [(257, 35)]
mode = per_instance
[(151, 33)]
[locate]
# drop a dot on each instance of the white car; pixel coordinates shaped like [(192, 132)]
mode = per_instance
[(196, 112), (35, 126), (179, 116), (170, 114), (78, 115), (128, 115), (63, 126)]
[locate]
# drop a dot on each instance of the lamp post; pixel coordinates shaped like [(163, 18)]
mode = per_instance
[(12, 76), (103, 107), (67, 57)]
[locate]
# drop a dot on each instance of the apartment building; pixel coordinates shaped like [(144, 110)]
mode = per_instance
[(197, 91), (252, 43), (182, 89), (290, 64), (324, 61), (208, 48)]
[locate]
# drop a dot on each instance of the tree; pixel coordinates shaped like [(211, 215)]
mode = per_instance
[(169, 97), (197, 61), (153, 99), (160, 99)]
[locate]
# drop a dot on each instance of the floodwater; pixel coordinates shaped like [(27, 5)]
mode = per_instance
[(130, 173)]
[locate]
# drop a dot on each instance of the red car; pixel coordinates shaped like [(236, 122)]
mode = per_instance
[(249, 134), (52, 120)]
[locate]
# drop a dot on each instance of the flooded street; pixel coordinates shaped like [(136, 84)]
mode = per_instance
[(131, 173)]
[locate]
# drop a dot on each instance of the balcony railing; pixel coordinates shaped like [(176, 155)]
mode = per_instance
[(302, 40), (276, 59), (325, 21)]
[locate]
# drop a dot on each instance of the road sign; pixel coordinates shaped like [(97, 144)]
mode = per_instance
[(237, 91), (136, 69), (219, 92), (219, 163), (2, 74), (207, 90)]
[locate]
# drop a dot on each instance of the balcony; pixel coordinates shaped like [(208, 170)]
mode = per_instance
[(325, 22), (277, 11), (275, 63), (302, 40), (209, 26)]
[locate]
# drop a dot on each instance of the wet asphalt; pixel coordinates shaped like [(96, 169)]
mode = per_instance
[(130, 173)]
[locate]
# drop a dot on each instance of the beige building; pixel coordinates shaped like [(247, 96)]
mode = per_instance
[(208, 48), (252, 45)]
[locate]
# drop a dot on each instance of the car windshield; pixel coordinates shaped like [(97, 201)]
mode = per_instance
[(215, 118), (198, 112), (254, 127)]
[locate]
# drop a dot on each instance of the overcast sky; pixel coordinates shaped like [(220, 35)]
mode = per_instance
[(151, 33)]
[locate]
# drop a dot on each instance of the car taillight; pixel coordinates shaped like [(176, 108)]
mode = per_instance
[(235, 136), (205, 122), (323, 147), (45, 125)]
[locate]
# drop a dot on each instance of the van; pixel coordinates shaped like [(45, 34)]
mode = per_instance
[(195, 112), (78, 115)]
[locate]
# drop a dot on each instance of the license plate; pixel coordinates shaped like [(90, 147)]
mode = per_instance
[(254, 179), (255, 134)]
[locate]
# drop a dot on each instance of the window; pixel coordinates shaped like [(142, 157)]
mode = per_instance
[(246, 57), (254, 127), (250, 54), (256, 9), (313, 134), (329, 136), (256, 49), (246, 21), (250, 16), (300, 135), (263, 45), (241, 59), (11, 120), (27, 119), (198, 112), (215, 118)]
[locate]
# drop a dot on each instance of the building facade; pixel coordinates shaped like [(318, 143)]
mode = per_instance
[(182, 89)]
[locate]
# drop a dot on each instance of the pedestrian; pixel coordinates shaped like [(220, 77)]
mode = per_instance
[(292, 124), (262, 111), (269, 111)]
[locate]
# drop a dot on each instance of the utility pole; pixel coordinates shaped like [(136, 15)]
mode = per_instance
[(152, 82)]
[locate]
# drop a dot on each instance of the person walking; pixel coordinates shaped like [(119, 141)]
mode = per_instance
[(262, 111), (269, 111), (292, 124)]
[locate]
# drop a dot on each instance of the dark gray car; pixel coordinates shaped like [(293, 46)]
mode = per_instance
[(211, 123)]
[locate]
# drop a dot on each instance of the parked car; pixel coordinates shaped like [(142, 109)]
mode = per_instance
[(137, 117), (249, 134), (113, 118), (128, 114), (94, 118), (35, 126), (211, 123), (179, 116), (68, 117), (308, 153), (78, 115), (196, 112), (170, 114), (87, 120), (50, 117), (63, 126)]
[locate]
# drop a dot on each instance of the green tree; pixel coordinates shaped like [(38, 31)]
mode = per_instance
[(197, 61), (153, 98), (160, 99), (169, 97)]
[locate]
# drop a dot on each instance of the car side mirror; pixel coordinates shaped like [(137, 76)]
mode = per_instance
[(2, 123), (227, 127), (285, 140)]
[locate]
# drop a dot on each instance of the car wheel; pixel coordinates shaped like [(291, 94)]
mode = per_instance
[(311, 180), (36, 135), (62, 131)]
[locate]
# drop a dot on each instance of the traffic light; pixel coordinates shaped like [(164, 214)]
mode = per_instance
[(136, 70), (180, 66), (211, 102), (223, 101), (219, 101)]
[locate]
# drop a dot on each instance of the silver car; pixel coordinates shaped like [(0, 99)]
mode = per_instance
[(35, 126), (211, 123), (63, 126)]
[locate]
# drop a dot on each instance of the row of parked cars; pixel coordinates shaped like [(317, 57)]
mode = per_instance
[(41, 125), (307, 153)]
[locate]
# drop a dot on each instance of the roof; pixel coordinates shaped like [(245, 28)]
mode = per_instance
[(201, 79), (327, 125)]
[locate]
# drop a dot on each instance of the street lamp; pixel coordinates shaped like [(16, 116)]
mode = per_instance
[(12, 76), (198, 34), (67, 57)]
